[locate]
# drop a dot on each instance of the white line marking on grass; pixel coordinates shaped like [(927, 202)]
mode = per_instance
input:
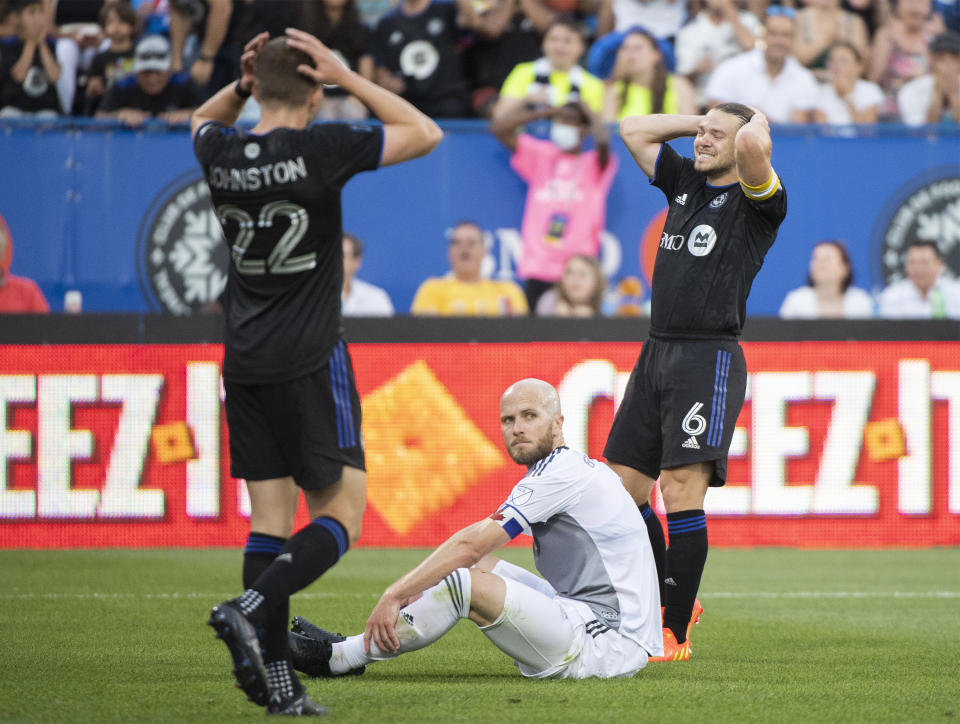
[(190, 595)]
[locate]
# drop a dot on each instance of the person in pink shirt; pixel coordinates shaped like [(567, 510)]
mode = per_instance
[(566, 203), (18, 295)]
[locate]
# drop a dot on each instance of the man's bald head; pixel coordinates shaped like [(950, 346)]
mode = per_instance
[(530, 420)]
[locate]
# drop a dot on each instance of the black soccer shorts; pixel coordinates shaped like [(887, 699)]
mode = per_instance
[(308, 427), (680, 407)]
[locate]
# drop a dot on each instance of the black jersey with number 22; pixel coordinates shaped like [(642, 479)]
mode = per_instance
[(277, 196), (712, 246)]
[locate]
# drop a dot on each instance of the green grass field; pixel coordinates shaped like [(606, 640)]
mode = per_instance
[(787, 636)]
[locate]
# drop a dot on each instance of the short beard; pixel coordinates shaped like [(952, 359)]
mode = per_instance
[(535, 454), (717, 171)]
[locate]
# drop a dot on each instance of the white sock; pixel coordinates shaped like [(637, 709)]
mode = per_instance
[(419, 624)]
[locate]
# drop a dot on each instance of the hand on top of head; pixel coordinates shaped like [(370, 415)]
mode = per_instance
[(327, 68), (248, 61)]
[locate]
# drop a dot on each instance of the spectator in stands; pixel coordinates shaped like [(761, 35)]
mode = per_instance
[(719, 31), (217, 61), (829, 292), (417, 55), (934, 97), (846, 97), (820, 25), (662, 18), (153, 16), (119, 23), (565, 210), (579, 293), (465, 292), (771, 79), (949, 11), (553, 80), (337, 25), (926, 293), (874, 13), (506, 34), (640, 83), (29, 69), (17, 294), (153, 91), (901, 50), (360, 298)]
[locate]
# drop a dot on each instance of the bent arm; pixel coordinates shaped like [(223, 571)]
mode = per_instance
[(505, 126), (752, 148), (643, 135), (50, 65)]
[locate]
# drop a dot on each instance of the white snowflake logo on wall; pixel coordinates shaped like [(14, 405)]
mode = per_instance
[(182, 259)]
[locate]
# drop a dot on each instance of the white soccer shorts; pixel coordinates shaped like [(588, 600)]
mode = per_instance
[(549, 636)]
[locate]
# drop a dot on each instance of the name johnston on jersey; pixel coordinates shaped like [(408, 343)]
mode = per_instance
[(254, 178)]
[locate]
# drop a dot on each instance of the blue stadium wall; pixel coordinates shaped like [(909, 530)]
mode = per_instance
[(122, 215)]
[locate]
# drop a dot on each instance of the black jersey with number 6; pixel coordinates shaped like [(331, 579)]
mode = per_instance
[(278, 199), (712, 246)]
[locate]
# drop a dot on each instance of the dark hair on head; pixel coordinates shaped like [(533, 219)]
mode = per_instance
[(565, 21), (467, 222), (844, 256), (355, 243), (658, 84), (278, 80), (16, 6), (350, 31), (849, 46), (123, 10), (924, 244), (575, 106), (744, 113), (599, 283)]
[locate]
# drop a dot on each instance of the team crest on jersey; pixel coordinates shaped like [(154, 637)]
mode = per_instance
[(251, 150), (521, 494), (702, 240), (181, 256), (719, 201), (395, 37), (926, 209), (435, 26)]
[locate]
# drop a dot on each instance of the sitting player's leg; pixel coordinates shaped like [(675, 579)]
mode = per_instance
[(517, 573)]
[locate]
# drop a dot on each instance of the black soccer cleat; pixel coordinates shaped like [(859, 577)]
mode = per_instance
[(239, 635), (299, 705), (311, 648)]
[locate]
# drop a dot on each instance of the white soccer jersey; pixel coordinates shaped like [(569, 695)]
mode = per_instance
[(589, 541)]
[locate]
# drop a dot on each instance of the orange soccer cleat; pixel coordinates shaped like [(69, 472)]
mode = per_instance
[(672, 651)]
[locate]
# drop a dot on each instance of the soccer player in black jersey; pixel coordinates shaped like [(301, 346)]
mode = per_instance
[(292, 406), (686, 390)]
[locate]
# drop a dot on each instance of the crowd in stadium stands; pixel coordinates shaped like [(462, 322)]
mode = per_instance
[(833, 61), (580, 64)]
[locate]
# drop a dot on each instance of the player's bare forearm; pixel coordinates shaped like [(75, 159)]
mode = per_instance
[(461, 550), (752, 148), (643, 135), (223, 106)]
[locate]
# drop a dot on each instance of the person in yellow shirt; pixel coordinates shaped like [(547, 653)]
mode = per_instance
[(465, 293), (640, 83), (555, 79)]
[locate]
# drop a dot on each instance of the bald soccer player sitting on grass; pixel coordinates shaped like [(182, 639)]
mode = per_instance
[(597, 614)]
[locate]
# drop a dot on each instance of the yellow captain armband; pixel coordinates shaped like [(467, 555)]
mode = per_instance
[(764, 191)]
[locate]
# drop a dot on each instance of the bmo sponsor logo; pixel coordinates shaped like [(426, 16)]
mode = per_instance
[(671, 242), (702, 240)]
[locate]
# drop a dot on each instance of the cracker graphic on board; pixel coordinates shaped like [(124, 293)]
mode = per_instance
[(423, 450)]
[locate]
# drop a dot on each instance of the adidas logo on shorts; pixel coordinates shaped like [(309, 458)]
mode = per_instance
[(691, 442)]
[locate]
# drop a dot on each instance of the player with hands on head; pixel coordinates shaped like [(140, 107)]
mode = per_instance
[(725, 206), (595, 612), (292, 406)]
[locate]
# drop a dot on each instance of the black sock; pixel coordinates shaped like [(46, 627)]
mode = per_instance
[(686, 557), (303, 559), (258, 554), (657, 542)]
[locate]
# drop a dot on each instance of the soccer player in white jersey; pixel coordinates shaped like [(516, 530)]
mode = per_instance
[(596, 612)]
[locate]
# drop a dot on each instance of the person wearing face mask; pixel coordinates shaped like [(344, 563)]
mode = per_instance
[(566, 204)]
